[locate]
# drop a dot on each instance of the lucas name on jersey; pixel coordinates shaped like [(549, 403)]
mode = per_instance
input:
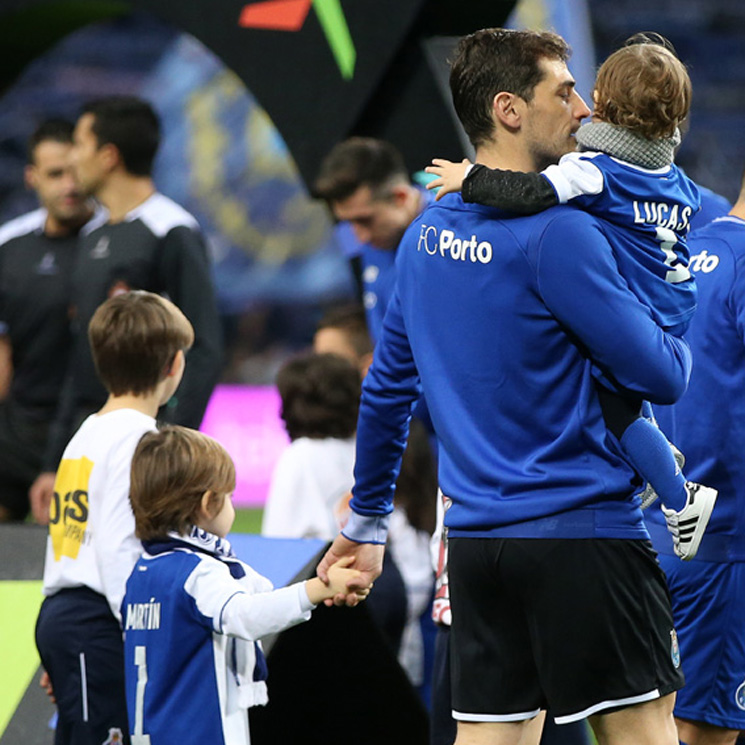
[(142, 616), (663, 215)]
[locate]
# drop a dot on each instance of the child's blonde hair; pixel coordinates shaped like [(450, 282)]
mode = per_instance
[(171, 471), (643, 87)]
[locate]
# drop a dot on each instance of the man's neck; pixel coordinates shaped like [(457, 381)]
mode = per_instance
[(148, 404), (123, 192), (508, 155), (55, 228)]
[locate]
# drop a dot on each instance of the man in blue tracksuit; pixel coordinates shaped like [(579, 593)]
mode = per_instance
[(557, 599)]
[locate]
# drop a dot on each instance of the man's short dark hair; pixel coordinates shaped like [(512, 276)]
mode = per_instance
[(320, 396), (494, 60), (54, 130), (356, 162), (131, 125)]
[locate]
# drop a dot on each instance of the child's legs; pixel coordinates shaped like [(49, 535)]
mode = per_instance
[(80, 645), (644, 444)]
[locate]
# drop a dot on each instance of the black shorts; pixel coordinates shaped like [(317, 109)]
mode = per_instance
[(80, 645), (577, 626)]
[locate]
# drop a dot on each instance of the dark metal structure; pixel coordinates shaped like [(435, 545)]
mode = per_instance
[(322, 69)]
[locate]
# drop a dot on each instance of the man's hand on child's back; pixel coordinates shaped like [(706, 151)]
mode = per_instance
[(450, 175)]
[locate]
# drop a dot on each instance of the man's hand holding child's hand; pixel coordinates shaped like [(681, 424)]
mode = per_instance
[(339, 580)]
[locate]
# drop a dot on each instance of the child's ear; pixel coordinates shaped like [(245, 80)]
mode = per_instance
[(209, 504), (177, 364)]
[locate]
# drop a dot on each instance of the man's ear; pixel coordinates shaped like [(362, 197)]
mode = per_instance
[(110, 156), (30, 177), (506, 109), (400, 194)]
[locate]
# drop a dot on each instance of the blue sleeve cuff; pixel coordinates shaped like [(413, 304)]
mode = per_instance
[(367, 528)]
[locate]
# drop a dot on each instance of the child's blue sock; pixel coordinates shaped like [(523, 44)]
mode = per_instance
[(650, 454)]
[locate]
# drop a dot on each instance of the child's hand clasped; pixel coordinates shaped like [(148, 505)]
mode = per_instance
[(341, 582), (450, 175), (340, 579)]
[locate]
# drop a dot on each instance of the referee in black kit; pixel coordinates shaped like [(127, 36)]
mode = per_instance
[(37, 257), (148, 243)]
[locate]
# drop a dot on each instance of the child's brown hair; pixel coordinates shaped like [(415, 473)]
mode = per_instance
[(171, 471), (320, 396), (643, 87), (134, 338)]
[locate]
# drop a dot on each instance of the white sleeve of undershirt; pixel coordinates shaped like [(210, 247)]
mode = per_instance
[(575, 175)]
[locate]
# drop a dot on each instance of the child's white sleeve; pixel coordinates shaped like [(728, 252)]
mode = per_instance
[(254, 616), (233, 611), (575, 175)]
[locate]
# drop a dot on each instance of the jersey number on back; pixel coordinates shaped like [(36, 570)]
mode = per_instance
[(138, 738), (678, 269)]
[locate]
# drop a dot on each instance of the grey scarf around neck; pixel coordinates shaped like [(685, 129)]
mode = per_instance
[(626, 145)]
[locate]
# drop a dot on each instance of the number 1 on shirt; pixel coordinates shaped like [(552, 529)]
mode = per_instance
[(138, 738)]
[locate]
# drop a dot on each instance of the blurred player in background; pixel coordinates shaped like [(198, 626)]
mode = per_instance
[(37, 258), (709, 424)]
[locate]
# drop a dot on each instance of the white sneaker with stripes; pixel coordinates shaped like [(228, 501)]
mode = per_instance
[(687, 526)]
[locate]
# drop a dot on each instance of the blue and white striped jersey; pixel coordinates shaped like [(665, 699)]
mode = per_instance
[(190, 662)]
